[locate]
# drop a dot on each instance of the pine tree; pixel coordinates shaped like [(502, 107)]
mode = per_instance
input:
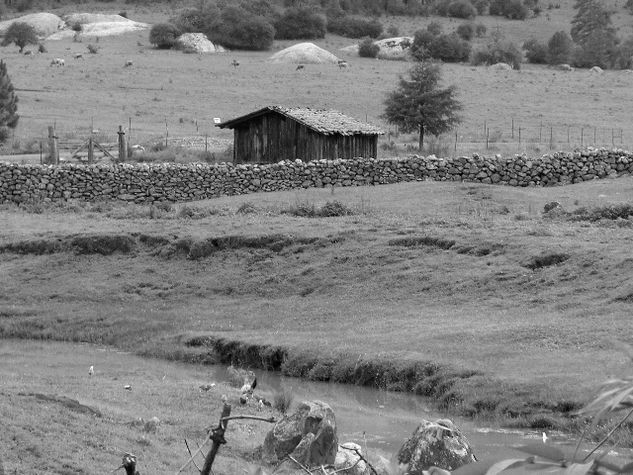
[(591, 17), (8, 102), (420, 105)]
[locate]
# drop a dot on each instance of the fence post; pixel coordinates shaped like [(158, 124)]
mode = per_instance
[(594, 135), (487, 138), (519, 135), (122, 145), (166, 133), (582, 137), (52, 145), (512, 127), (91, 150), (206, 143), (551, 137), (540, 132), (456, 141), (41, 157)]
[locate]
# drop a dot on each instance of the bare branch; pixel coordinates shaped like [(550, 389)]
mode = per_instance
[(270, 419), (303, 467), (217, 436), (193, 461), (194, 454), (361, 457), (602, 442)]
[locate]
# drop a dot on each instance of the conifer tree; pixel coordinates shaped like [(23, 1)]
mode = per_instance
[(8, 103)]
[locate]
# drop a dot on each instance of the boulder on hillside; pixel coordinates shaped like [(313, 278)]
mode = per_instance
[(303, 53), (45, 24), (396, 48), (309, 434), (435, 444), (197, 43), (501, 67), (597, 70), (564, 67)]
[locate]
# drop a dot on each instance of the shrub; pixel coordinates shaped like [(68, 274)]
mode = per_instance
[(450, 48), (535, 51), (480, 30), (24, 5), (434, 28), (300, 23), (21, 34), (461, 9), (559, 48), (282, 401), (599, 49), (93, 49), (481, 6), (393, 31), (197, 19), (422, 40), (512, 9), (353, 27), (368, 49), (4, 134), (164, 35), (466, 31), (498, 52), (41, 48), (239, 29)]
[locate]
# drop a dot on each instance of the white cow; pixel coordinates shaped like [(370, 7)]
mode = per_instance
[(58, 62)]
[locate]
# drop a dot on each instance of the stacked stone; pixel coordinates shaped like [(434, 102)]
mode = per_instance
[(143, 183)]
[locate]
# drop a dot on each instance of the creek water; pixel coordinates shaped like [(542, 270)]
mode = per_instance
[(377, 420)]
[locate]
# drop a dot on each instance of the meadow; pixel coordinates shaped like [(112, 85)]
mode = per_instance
[(373, 288), (168, 92)]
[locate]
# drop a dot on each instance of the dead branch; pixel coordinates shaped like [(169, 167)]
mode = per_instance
[(217, 437), (361, 457), (270, 419), (192, 460), (303, 467), (194, 454)]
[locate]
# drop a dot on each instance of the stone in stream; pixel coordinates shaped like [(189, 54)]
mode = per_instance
[(308, 434), (435, 444)]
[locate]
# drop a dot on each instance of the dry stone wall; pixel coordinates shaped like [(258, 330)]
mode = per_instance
[(143, 183)]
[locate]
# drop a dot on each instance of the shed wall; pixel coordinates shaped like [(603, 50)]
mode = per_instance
[(273, 137)]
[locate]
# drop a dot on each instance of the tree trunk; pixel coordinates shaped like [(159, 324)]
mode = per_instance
[(421, 140)]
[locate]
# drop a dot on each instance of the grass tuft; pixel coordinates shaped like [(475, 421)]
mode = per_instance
[(282, 400)]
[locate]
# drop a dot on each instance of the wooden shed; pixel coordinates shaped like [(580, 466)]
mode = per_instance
[(277, 133)]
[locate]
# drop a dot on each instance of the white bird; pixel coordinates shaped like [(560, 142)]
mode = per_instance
[(127, 387), (545, 438), (91, 371)]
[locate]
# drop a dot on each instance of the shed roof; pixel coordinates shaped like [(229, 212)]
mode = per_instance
[(324, 121)]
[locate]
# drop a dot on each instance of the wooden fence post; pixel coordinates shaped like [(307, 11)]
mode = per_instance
[(122, 145), (91, 150), (52, 145)]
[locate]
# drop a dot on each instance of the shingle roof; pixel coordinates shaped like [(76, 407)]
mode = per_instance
[(320, 120)]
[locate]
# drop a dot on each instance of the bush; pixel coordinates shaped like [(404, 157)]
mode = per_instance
[(559, 48), (498, 52), (300, 23), (282, 401), (5, 133), (449, 48), (197, 20), (512, 9), (535, 51), (239, 29), (368, 49), (599, 49), (481, 6), (353, 27), (434, 28), (93, 49), (480, 30), (164, 35), (393, 31), (466, 31), (461, 9), (422, 40), (24, 5)]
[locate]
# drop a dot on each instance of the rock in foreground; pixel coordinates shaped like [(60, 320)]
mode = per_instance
[(435, 444), (309, 434)]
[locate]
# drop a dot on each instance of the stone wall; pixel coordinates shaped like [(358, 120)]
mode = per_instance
[(142, 183)]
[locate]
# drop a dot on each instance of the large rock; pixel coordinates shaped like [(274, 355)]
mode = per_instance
[(435, 444), (309, 434), (348, 462)]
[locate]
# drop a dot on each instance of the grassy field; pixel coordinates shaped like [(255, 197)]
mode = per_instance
[(57, 419), (187, 91), (376, 286)]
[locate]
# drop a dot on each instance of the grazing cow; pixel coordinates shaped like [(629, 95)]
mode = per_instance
[(128, 63), (299, 67), (343, 64), (79, 56), (235, 64), (28, 53), (58, 62)]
